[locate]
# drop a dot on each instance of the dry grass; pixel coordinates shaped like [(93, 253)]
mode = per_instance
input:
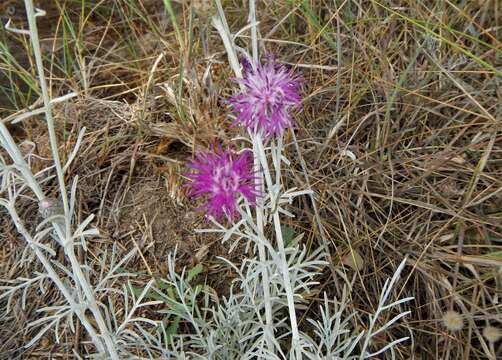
[(399, 133)]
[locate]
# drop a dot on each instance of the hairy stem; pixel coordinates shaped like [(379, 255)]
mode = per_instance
[(254, 32), (280, 242), (78, 309), (269, 332), (11, 147), (269, 329), (68, 241)]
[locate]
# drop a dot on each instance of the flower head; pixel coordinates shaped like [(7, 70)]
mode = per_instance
[(492, 334), (269, 92), (220, 177), (453, 321)]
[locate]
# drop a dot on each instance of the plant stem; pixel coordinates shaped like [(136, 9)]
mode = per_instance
[(269, 332), (76, 308), (287, 286), (68, 240), (11, 147), (254, 35), (280, 242), (46, 99)]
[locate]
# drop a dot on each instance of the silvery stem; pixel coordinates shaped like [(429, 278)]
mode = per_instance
[(68, 241), (78, 309), (258, 145), (269, 332)]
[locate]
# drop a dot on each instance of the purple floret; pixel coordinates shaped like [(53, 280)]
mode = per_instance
[(269, 93), (220, 177)]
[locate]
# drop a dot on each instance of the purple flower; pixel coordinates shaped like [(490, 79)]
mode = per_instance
[(269, 92), (220, 177)]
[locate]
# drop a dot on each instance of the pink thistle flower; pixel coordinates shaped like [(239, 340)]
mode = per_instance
[(220, 177), (269, 92)]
